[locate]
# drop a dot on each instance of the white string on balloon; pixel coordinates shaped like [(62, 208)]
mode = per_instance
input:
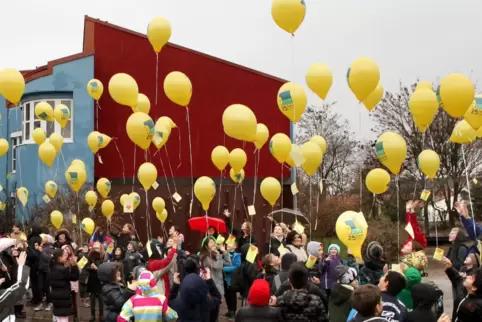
[(190, 155), (157, 76), (122, 160), (170, 167), (398, 216), (167, 183), (468, 188), (134, 169), (220, 189)]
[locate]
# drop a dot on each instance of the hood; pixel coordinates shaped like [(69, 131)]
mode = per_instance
[(297, 300), (105, 272), (194, 290), (134, 245), (259, 293), (340, 293), (312, 248), (64, 232), (424, 295), (413, 277), (155, 248), (146, 284), (460, 238)]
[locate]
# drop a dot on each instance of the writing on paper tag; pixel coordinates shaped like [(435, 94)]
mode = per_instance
[(46, 198), (425, 195), (177, 197), (252, 253), (251, 210), (110, 249), (231, 240), (297, 156), (74, 219), (91, 208), (82, 262), (128, 205), (155, 185), (438, 254), (321, 186), (100, 159), (294, 188), (409, 230), (220, 240), (148, 248), (310, 262), (282, 250)]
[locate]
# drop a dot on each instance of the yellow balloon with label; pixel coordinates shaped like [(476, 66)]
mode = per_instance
[(270, 189), (374, 98), (423, 104), (377, 181), (320, 141), (205, 190), (123, 198), (162, 216), (38, 135), (75, 177), (3, 147), (351, 228), (313, 157), (47, 153), (107, 208), (123, 89), (457, 93), (220, 157), (288, 14), (161, 134), (57, 141), (238, 178), (51, 188), (262, 135), (158, 33), (168, 122), (473, 116), (12, 85), (391, 150), (239, 122), (158, 204), (136, 199), (143, 104), (237, 159), (22, 195), (95, 88), (88, 226), (428, 162), (292, 101), (44, 111), (62, 115), (93, 141), (103, 187), (319, 79), (178, 88), (91, 198), (140, 129), (147, 175), (363, 77), (463, 133), (280, 147), (56, 218)]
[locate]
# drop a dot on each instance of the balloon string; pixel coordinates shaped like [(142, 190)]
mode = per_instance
[(180, 149), (207, 225), (134, 225), (19, 167), (157, 75), (242, 198), (282, 190), (234, 207), (360, 167), (271, 230), (293, 74), (148, 226), (468, 188), (398, 216), (97, 108), (79, 219), (311, 201), (318, 202), (122, 160), (170, 168), (220, 189), (256, 169), (63, 160), (167, 183), (134, 170), (190, 152)]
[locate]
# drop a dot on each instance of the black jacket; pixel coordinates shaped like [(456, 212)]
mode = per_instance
[(458, 290), (339, 302), (275, 244), (93, 282), (252, 313), (242, 277), (297, 306), (312, 289), (60, 278), (458, 251), (425, 297), (470, 309), (14, 293), (45, 257)]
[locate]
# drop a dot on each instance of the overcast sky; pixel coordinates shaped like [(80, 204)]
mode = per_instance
[(409, 39)]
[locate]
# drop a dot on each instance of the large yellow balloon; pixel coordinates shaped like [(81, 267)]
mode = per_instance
[(62, 115), (262, 135), (162, 216), (123, 199), (51, 188), (22, 195), (95, 88), (463, 133), (103, 187), (204, 190), (319, 79), (136, 199), (91, 198), (424, 84), (288, 14), (56, 218), (320, 141), (313, 156), (88, 226), (377, 181), (237, 159), (363, 77), (143, 104), (168, 121), (93, 141), (457, 93), (158, 204), (123, 89), (77, 162), (238, 178), (429, 163), (374, 98), (147, 175), (292, 101), (140, 129), (158, 33), (220, 157), (47, 153), (178, 88), (3, 147), (351, 229), (391, 151), (270, 189), (107, 208), (280, 147), (161, 134), (57, 141), (39, 136), (75, 177), (240, 123), (473, 116), (44, 111), (12, 85), (423, 106)]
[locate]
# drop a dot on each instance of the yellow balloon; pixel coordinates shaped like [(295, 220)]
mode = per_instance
[(457, 93), (158, 204), (270, 190), (238, 178), (320, 141), (103, 187), (391, 151), (57, 141), (143, 104), (262, 135), (123, 89), (423, 106), (158, 33), (377, 181), (363, 77), (93, 141), (351, 229), (237, 160), (463, 133), (123, 199), (62, 115), (167, 120), (204, 190), (91, 197), (319, 79), (313, 157), (51, 188), (374, 98), (38, 135), (3, 147), (12, 85), (429, 163), (78, 162), (424, 84), (292, 101), (107, 208), (75, 177), (178, 88), (88, 226), (44, 111), (280, 147), (161, 134), (220, 157), (240, 123), (22, 195), (56, 218), (47, 153), (479, 132), (136, 199), (104, 140), (288, 14), (290, 161), (147, 175), (95, 88), (162, 216), (473, 116), (140, 129)]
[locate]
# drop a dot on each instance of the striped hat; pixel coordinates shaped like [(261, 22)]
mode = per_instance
[(146, 283)]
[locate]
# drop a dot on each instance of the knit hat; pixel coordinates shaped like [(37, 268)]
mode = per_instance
[(147, 283), (259, 293), (312, 248), (345, 274), (374, 251), (335, 246)]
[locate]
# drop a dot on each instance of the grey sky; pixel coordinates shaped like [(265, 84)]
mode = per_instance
[(407, 38)]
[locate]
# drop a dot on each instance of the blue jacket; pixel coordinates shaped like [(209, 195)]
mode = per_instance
[(236, 262), (469, 227)]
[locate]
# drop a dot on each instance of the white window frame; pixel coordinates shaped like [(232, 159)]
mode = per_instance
[(18, 137), (43, 124)]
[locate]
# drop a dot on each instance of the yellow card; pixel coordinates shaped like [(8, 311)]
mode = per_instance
[(297, 156), (155, 185), (252, 253), (91, 208), (2, 205), (100, 159), (148, 248), (396, 268), (128, 205), (438, 254), (251, 210), (231, 240), (177, 197), (294, 188), (282, 250), (299, 228), (220, 240), (310, 262), (46, 198), (81, 263), (74, 219), (475, 181), (425, 195), (409, 230), (110, 249)]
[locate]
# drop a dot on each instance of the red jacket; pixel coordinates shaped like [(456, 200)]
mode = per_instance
[(411, 218), (158, 264)]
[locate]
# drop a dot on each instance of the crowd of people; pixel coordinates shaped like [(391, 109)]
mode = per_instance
[(291, 279)]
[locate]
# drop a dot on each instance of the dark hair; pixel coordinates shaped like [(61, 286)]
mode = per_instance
[(365, 300), (287, 260), (134, 275), (266, 261), (396, 282), (188, 266), (176, 228), (416, 246), (58, 252), (477, 281), (131, 228), (291, 237), (298, 276)]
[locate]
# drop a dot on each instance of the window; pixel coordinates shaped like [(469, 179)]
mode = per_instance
[(16, 140), (31, 121)]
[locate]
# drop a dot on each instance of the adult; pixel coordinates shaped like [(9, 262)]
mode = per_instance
[(459, 248), (62, 238), (125, 236), (293, 244), (276, 240), (244, 234)]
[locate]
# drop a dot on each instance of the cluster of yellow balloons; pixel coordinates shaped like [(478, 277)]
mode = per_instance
[(142, 131), (159, 207), (97, 141), (76, 174)]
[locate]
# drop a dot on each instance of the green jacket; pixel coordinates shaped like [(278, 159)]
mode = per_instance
[(413, 278)]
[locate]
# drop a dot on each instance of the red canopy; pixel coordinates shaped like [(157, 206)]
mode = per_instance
[(202, 224)]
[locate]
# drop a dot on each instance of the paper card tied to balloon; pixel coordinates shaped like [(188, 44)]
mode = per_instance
[(438, 254), (128, 205), (220, 240), (321, 185), (294, 188), (149, 249), (396, 268), (46, 198), (475, 181), (409, 230), (252, 253), (282, 250), (231, 240), (110, 248), (2, 205), (82, 262), (297, 156), (425, 195), (74, 219), (251, 210), (91, 208), (177, 197), (417, 260), (310, 262), (155, 185)]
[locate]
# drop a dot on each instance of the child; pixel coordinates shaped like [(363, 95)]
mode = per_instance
[(271, 264), (471, 262), (328, 268), (367, 301), (341, 292), (230, 294), (46, 250), (84, 276), (215, 259), (95, 258), (258, 308), (132, 258), (160, 266)]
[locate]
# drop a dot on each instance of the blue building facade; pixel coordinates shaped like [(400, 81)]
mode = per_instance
[(21, 166)]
